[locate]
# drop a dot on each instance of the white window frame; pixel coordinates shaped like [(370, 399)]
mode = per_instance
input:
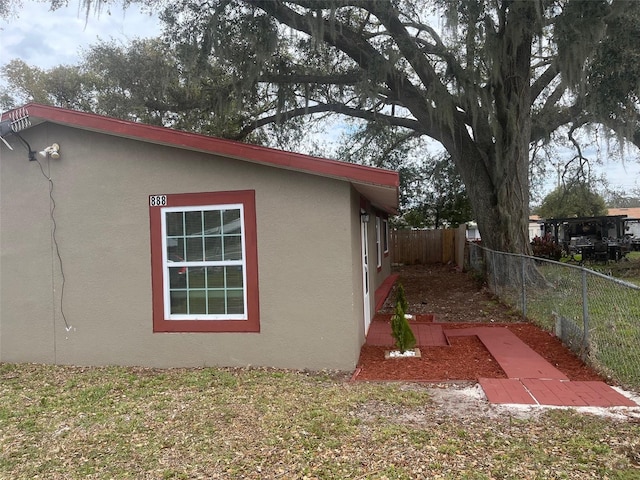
[(206, 263), (378, 244), (385, 232)]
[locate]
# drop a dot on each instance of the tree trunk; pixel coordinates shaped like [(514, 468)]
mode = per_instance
[(492, 154), (497, 176), (500, 199)]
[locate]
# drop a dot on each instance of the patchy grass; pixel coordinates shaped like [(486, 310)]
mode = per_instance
[(627, 269), (613, 313), (70, 422)]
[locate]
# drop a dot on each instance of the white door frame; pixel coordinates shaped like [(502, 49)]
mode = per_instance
[(366, 281)]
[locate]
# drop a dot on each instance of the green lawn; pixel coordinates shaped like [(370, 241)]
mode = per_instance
[(78, 423)]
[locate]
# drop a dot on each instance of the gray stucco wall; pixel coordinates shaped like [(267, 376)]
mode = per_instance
[(308, 255)]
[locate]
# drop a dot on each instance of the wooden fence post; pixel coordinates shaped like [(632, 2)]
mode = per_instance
[(461, 241)]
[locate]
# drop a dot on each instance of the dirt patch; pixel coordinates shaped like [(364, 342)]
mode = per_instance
[(452, 295), (457, 299)]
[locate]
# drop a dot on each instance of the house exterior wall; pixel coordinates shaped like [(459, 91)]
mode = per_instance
[(309, 265), (632, 226)]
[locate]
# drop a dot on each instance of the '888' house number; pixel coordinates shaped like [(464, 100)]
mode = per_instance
[(157, 200)]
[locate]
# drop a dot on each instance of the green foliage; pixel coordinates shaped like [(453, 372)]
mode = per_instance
[(449, 205), (614, 73), (575, 200), (546, 247), (401, 330), (147, 80), (432, 193), (401, 298)]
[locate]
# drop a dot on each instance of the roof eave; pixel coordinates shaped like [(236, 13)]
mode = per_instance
[(353, 173)]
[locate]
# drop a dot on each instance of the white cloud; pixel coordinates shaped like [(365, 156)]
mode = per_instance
[(47, 38)]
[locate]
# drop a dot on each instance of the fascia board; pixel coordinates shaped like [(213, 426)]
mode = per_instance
[(355, 174)]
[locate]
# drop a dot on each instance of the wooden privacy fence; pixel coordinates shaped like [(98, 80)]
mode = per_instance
[(428, 246)]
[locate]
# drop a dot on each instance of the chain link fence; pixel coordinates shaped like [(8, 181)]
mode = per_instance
[(595, 315)]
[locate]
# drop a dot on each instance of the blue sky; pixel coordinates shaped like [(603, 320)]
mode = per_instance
[(44, 38)]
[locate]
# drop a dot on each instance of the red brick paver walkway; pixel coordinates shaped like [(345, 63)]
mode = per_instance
[(532, 380), (515, 357)]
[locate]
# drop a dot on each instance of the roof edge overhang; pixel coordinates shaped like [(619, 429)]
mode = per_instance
[(584, 219), (359, 176)]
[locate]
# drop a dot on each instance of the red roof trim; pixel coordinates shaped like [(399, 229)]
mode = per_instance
[(243, 151)]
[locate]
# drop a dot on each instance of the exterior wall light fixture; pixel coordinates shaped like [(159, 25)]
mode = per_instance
[(52, 151)]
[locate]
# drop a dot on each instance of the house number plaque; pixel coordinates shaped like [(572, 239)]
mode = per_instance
[(157, 200)]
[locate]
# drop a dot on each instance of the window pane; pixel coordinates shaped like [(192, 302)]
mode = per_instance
[(235, 302), (231, 219), (194, 249), (234, 277), (197, 302), (193, 223), (179, 302), (385, 235), (175, 249), (213, 249), (233, 248), (174, 224), (212, 222), (216, 302), (177, 277), (215, 277), (196, 277)]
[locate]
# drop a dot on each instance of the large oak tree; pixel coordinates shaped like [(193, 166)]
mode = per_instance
[(486, 79)]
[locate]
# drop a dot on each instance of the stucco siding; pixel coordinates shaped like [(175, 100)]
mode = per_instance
[(26, 279), (310, 316)]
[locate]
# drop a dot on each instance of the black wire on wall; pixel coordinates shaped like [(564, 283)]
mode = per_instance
[(55, 241)]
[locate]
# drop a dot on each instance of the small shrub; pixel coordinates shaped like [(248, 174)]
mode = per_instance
[(401, 330), (401, 298), (546, 247)]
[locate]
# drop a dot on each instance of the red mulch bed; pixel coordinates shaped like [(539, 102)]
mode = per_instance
[(460, 301)]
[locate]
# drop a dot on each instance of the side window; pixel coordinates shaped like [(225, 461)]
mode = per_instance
[(385, 236), (378, 243), (204, 262)]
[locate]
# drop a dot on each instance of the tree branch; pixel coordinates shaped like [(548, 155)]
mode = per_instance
[(329, 107), (343, 38), (387, 15), (344, 79), (543, 81)]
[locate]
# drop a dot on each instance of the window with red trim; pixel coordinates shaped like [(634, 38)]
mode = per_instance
[(385, 236), (204, 262)]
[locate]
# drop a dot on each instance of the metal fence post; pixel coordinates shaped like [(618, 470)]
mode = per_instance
[(585, 311), (610, 307)]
